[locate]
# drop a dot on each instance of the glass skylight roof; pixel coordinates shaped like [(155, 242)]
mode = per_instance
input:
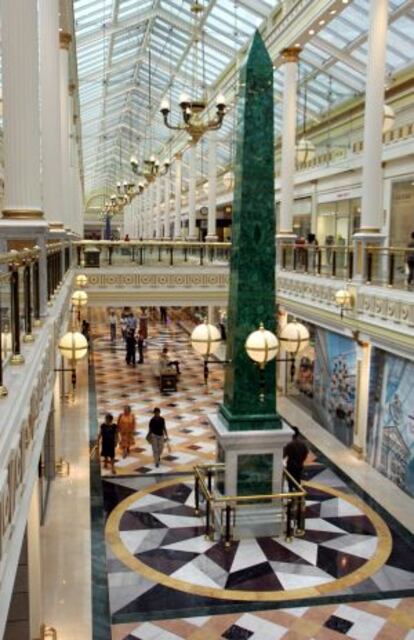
[(120, 43)]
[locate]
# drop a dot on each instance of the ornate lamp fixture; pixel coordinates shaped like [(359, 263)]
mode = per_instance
[(305, 149), (294, 337), (344, 300), (192, 107)]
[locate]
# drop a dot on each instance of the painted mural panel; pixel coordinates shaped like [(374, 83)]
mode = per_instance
[(334, 384), (391, 419)]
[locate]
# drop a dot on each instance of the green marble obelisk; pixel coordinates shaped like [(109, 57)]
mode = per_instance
[(252, 267)]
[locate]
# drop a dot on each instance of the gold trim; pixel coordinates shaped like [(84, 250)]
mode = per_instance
[(367, 229), (65, 39), (56, 226), (3, 391), (28, 338), (23, 214), (16, 359), (381, 555), (291, 54)]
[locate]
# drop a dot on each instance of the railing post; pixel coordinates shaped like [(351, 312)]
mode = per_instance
[(333, 263), (300, 516), (209, 479), (197, 495), (27, 303), (36, 291), (369, 266), (185, 254), (79, 253), (391, 266), (110, 250), (201, 256), (140, 256), (350, 265), (289, 520), (208, 516), (159, 253), (171, 256), (306, 259), (283, 258), (319, 261), (3, 389), (227, 527), (17, 357), (295, 258)]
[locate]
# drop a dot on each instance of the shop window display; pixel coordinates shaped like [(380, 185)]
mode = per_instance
[(391, 419), (334, 384)]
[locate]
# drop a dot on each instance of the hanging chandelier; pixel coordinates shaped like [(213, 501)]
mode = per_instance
[(192, 107)]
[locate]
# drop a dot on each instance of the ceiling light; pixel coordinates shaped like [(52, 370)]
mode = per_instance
[(298, 45), (321, 22), (333, 12), (311, 32), (345, 1)]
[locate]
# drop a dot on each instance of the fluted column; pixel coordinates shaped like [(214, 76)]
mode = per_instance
[(192, 233), (290, 58), (167, 205), (158, 209), (21, 109), (178, 177), (372, 178), (65, 42), (212, 187), (50, 111)]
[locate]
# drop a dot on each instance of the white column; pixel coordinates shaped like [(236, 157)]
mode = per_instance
[(34, 563), (50, 111), (371, 207), (290, 57), (192, 173), (158, 209), (65, 40), (362, 397), (178, 176), (21, 109), (212, 186), (167, 205)]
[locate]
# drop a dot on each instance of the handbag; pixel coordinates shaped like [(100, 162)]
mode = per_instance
[(148, 437), (168, 445)]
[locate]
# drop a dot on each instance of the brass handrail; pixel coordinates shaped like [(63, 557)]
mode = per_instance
[(185, 244), (228, 504)]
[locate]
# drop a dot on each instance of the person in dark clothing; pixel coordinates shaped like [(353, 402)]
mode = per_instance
[(140, 345), (157, 435), (295, 454), (410, 261), (130, 343), (166, 362), (163, 315), (108, 436)]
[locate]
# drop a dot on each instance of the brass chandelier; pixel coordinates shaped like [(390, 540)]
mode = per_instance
[(192, 107)]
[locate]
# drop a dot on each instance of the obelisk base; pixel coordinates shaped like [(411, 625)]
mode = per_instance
[(254, 465)]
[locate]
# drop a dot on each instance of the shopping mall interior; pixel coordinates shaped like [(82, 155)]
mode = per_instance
[(207, 319)]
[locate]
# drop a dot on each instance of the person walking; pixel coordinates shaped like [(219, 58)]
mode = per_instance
[(163, 315), (112, 325), (157, 435), (123, 323), (140, 345), (108, 436), (130, 346), (126, 428), (295, 454), (410, 261)]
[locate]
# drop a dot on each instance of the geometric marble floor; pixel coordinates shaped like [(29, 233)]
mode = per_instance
[(166, 581)]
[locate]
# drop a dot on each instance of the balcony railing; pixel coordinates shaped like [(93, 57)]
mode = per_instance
[(153, 253), (381, 266)]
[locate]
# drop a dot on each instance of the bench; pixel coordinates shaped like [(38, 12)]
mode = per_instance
[(167, 378)]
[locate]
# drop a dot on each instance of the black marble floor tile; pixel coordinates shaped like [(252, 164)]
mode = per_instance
[(237, 633), (259, 577), (166, 560), (337, 563), (340, 625)]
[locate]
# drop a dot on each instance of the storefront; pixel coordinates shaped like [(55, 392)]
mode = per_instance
[(402, 212), (337, 219)]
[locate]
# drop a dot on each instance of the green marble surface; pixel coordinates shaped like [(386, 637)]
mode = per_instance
[(254, 474), (252, 268)]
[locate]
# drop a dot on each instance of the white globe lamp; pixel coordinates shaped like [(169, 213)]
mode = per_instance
[(81, 280), (205, 339), (294, 337), (79, 298), (261, 346), (73, 346), (305, 151)]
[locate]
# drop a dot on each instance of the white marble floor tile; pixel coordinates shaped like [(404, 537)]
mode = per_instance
[(366, 625)]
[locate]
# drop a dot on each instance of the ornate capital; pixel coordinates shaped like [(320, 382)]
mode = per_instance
[(291, 54)]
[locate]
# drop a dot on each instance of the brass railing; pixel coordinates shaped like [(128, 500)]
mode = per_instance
[(91, 253), (383, 266), (292, 503)]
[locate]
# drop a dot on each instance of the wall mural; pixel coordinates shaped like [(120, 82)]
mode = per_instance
[(334, 384), (391, 419)]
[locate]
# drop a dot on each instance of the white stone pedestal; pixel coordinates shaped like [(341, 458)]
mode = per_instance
[(239, 450)]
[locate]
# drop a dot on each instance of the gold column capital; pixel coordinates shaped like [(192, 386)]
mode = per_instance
[(291, 54), (65, 39)]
